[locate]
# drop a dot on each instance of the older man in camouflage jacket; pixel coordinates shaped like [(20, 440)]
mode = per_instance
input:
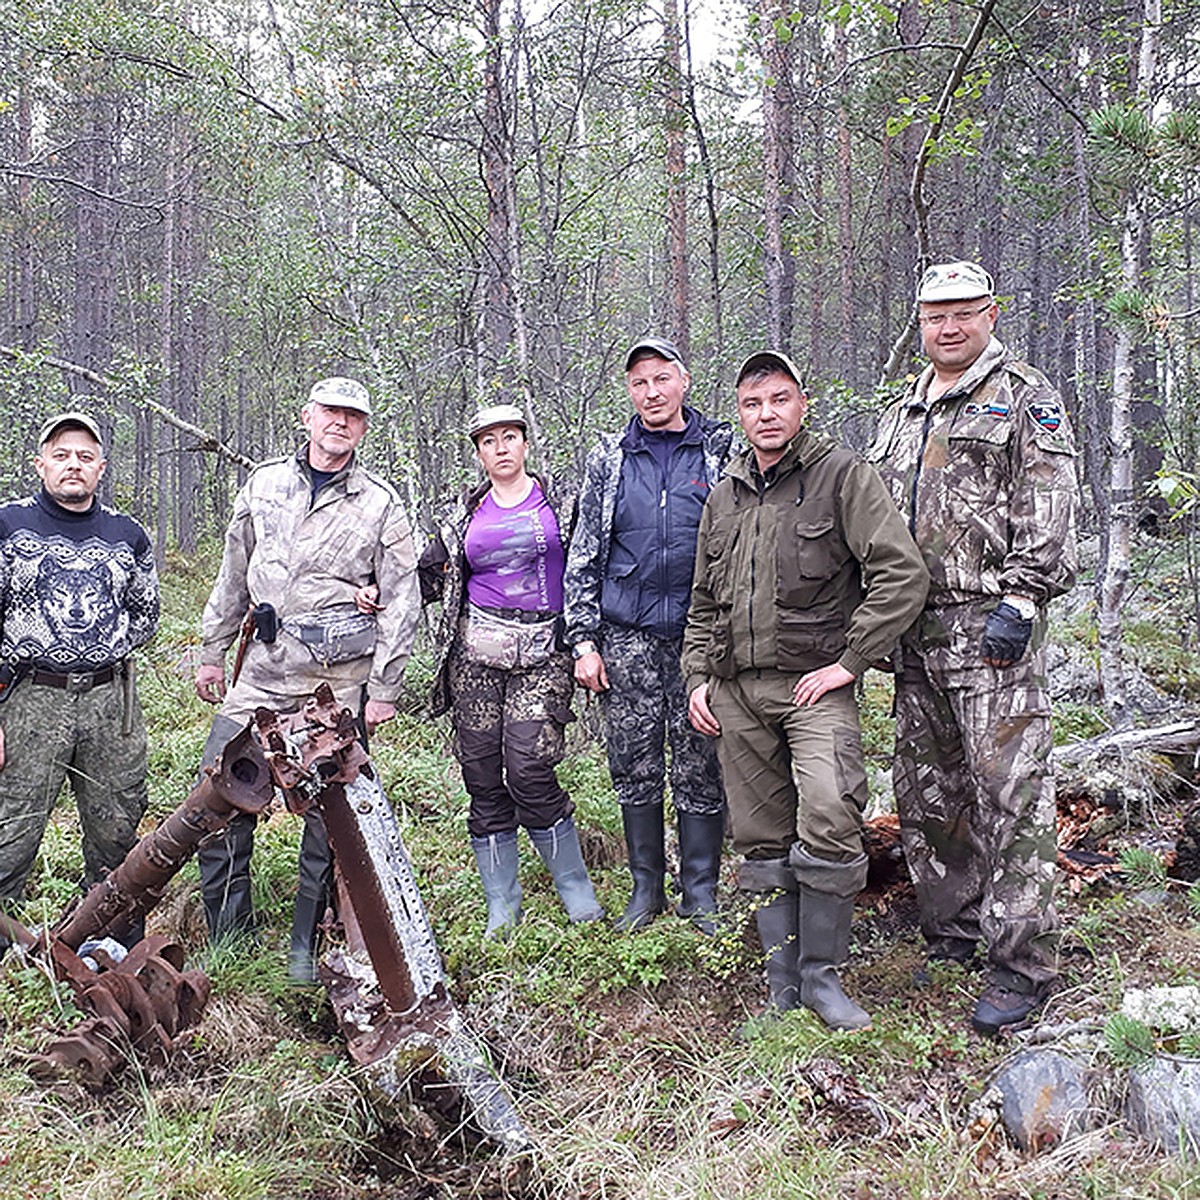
[(307, 532), (980, 459)]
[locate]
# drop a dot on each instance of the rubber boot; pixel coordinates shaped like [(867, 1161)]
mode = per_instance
[(773, 885), (302, 952), (225, 879), (225, 861), (497, 859), (315, 869), (644, 843), (826, 907), (701, 836), (559, 849)]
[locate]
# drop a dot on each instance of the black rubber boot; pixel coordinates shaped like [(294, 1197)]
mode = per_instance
[(701, 836), (315, 870), (225, 879), (773, 886), (225, 861), (302, 952), (644, 843), (826, 908)]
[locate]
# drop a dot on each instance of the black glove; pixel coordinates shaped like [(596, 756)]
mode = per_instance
[(1005, 636)]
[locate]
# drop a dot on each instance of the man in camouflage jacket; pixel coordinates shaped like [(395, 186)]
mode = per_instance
[(307, 532), (627, 585), (979, 457)]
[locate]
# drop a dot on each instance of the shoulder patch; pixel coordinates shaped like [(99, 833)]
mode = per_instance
[(1046, 413)]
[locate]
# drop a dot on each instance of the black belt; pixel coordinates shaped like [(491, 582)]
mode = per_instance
[(76, 681)]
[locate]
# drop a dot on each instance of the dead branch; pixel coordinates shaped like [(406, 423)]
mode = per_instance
[(1175, 740), (204, 439)]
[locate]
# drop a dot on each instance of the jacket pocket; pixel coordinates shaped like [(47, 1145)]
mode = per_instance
[(811, 552), (620, 593), (718, 656), (805, 641)]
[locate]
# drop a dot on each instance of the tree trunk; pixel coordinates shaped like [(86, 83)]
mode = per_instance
[(1116, 574), (679, 316), (779, 266)]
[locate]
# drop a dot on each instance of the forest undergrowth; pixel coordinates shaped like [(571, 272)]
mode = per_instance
[(627, 1055)]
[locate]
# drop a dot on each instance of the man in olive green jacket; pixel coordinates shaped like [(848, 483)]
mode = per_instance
[(805, 575)]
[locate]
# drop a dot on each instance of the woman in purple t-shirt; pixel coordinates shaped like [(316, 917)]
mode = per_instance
[(497, 567)]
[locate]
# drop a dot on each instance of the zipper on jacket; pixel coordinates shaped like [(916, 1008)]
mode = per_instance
[(912, 507)]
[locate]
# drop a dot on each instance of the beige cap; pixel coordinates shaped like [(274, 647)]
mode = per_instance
[(954, 281), (497, 414), (339, 392)]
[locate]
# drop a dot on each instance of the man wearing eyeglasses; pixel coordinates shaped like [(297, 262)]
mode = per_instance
[(979, 457)]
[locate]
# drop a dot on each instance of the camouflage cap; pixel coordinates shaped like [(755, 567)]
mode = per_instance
[(653, 347), (496, 414), (954, 281), (69, 420), (339, 392), (772, 359)]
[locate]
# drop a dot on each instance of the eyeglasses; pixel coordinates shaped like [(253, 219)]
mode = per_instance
[(962, 317)]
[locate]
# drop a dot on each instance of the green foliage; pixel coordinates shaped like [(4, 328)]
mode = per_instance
[(1143, 868), (32, 1001), (1129, 1042), (1075, 722)]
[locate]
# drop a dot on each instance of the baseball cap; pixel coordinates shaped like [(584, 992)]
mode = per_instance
[(769, 358), (653, 347), (339, 392), (496, 414), (954, 281), (75, 420)]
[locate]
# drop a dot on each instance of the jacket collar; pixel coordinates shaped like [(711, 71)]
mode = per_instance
[(802, 451), (693, 431), (991, 357)]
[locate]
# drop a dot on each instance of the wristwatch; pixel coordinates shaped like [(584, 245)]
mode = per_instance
[(1026, 607), (581, 648)]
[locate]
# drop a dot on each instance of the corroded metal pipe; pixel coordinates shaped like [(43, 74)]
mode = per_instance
[(240, 782)]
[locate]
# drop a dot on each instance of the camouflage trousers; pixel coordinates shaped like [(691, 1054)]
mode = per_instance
[(975, 796), (53, 735), (645, 707), (508, 738)]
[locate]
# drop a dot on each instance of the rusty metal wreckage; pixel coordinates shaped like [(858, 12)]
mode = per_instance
[(384, 976)]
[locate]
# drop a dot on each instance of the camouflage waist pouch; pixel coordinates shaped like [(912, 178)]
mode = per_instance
[(495, 641), (334, 635)]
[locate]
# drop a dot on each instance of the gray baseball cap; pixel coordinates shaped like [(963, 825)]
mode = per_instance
[(954, 281), (69, 420), (653, 347), (339, 392), (769, 358)]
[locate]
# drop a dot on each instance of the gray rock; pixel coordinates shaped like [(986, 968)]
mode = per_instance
[(1044, 1096), (1163, 1104)]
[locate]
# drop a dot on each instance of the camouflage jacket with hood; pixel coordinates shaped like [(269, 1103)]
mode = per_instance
[(307, 558), (985, 477)]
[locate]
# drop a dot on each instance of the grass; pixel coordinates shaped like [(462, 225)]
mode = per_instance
[(622, 1051)]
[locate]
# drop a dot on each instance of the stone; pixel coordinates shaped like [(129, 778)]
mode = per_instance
[(1162, 1104), (1044, 1098)]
